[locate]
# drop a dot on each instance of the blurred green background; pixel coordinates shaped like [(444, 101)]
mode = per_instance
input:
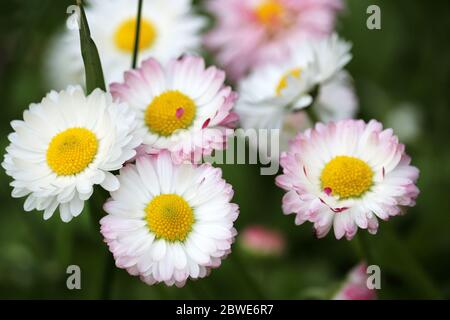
[(402, 76)]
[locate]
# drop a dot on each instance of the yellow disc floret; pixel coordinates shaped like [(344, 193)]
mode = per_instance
[(346, 177), (169, 112), (71, 151), (124, 36), (284, 79), (169, 217), (269, 11)]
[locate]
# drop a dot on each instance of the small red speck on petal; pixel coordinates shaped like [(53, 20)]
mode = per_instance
[(179, 113), (327, 190), (339, 210), (205, 124)]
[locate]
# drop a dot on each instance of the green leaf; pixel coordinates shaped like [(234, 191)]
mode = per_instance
[(91, 59)]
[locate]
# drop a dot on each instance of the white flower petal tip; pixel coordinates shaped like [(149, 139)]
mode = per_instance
[(345, 175), (65, 145), (169, 222), (183, 106)]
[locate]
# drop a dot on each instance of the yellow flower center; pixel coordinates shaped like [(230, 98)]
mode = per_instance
[(346, 177), (284, 79), (71, 151), (169, 112), (169, 217), (125, 34), (269, 11)]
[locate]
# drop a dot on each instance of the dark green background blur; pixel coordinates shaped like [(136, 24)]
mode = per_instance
[(408, 61)]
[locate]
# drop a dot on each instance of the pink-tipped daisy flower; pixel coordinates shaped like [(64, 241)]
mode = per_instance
[(169, 222), (184, 106), (346, 175), (250, 33)]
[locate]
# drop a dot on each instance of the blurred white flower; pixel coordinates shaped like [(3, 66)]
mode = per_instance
[(270, 95), (337, 99), (169, 28), (251, 33)]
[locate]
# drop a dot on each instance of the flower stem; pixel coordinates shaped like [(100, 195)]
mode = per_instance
[(363, 248), (312, 115), (96, 213), (310, 110), (108, 277), (137, 35)]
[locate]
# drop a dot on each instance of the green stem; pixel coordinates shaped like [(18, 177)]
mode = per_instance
[(96, 213), (312, 115), (137, 35), (108, 277), (363, 248), (310, 111)]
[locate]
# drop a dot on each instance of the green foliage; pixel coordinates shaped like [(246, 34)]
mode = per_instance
[(91, 59)]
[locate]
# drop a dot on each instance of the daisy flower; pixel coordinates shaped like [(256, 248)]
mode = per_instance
[(67, 144), (251, 33), (169, 222), (346, 175), (262, 241), (355, 286), (183, 106), (271, 96), (169, 28)]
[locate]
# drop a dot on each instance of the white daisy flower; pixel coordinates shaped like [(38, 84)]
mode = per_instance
[(65, 145), (184, 107), (330, 55), (169, 28), (169, 222), (269, 97), (346, 175)]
